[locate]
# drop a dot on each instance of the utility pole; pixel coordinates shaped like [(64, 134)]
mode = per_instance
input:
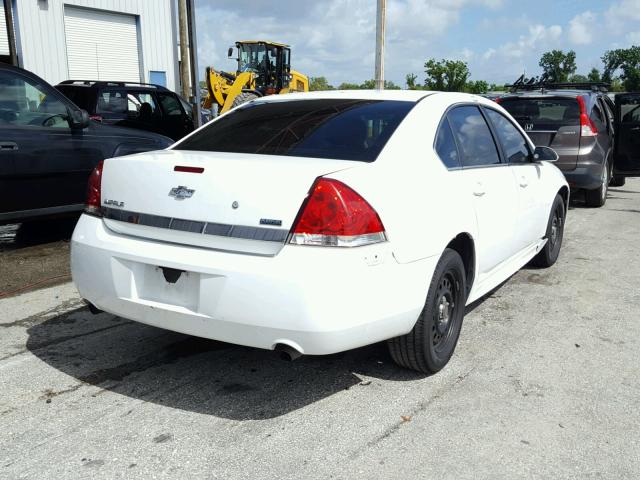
[(193, 61), (11, 35), (184, 47), (380, 19)]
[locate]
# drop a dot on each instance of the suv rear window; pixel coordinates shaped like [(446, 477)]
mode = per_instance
[(543, 113), (343, 129)]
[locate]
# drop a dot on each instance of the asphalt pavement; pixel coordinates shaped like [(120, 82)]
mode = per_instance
[(545, 383)]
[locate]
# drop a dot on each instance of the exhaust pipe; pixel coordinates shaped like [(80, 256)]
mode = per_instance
[(287, 353)]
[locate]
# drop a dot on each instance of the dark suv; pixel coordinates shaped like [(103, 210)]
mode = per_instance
[(579, 122), (135, 105), (48, 148)]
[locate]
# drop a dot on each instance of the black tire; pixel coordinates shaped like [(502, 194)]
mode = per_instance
[(555, 232), (617, 181), (430, 345), (244, 97), (597, 198)]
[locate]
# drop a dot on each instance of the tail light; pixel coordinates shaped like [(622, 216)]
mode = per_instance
[(97, 118), (498, 100), (587, 127), (335, 215), (94, 186)]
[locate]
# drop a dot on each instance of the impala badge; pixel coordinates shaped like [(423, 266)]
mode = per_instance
[(181, 192)]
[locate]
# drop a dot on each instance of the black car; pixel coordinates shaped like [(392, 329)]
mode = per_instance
[(48, 148), (136, 105)]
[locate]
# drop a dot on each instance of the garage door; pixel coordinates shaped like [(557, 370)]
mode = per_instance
[(101, 45), (4, 37)]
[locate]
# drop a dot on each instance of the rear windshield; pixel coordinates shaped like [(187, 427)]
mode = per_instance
[(329, 128), (81, 96), (543, 113)]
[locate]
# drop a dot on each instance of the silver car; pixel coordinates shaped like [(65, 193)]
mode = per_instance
[(579, 125)]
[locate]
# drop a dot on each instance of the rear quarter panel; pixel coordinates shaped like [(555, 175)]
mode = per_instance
[(421, 204)]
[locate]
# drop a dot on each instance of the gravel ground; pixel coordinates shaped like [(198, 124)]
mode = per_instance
[(545, 383)]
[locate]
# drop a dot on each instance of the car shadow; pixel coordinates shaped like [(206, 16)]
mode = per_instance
[(17, 236), (199, 375)]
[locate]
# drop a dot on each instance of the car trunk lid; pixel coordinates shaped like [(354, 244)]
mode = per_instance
[(234, 202)]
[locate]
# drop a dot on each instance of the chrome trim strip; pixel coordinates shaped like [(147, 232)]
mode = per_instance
[(206, 228)]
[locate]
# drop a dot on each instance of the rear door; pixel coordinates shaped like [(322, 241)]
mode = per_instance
[(550, 122), (491, 185), (532, 218), (627, 154)]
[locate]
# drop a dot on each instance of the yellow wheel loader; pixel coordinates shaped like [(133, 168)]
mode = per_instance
[(264, 68)]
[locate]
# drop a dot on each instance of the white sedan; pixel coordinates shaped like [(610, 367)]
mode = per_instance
[(317, 223)]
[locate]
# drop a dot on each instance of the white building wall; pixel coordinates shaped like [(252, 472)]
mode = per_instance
[(41, 36)]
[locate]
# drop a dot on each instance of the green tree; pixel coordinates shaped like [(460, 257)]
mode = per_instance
[(348, 86), (557, 65), (594, 75), (577, 78), (446, 75), (411, 80), (319, 83), (625, 60), (477, 86)]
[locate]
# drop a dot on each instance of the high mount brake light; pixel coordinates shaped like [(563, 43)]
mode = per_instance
[(587, 127), (335, 215), (94, 185)]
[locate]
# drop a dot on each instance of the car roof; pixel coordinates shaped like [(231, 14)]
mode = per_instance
[(551, 93), (402, 95)]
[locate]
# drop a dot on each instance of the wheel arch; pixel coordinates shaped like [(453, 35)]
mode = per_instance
[(564, 193), (464, 244)]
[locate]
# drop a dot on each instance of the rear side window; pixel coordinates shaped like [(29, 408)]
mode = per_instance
[(343, 129), (81, 96), (474, 139), (543, 113), (513, 142), (170, 104), (446, 146)]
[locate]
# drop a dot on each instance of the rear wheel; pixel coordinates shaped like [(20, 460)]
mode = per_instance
[(244, 97), (555, 231), (598, 197), (617, 181), (430, 345)]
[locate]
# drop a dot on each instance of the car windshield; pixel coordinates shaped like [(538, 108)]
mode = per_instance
[(343, 129), (543, 113)]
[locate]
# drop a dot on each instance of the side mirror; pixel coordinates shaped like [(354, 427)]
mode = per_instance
[(79, 119), (230, 52), (545, 154)]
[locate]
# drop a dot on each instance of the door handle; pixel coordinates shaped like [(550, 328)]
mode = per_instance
[(523, 182), (479, 191), (635, 128), (8, 146)]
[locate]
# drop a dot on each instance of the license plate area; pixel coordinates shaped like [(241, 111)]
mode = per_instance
[(166, 285)]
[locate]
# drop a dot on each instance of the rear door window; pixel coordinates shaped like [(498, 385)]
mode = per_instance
[(343, 129), (446, 145), (629, 109), (473, 137), (112, 101), (543, 113), (513, 143)]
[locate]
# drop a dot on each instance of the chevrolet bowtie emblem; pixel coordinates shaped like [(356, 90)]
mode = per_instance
[(181, 192)]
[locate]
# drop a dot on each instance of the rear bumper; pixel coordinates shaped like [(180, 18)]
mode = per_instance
[(587, 176), (317, 300)]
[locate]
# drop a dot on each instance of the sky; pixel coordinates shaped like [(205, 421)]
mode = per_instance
[(499, 39)]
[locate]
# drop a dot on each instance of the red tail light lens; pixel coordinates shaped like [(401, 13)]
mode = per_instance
[(335, 215), (97, 118), (94, 191), (587, 127), (497, 100)]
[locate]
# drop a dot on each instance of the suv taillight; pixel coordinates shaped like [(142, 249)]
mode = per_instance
[(337, 216), (94, 191), (587, 127)]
